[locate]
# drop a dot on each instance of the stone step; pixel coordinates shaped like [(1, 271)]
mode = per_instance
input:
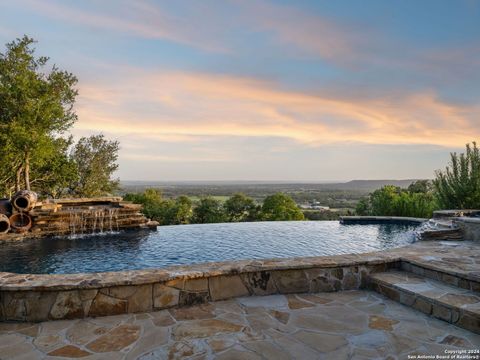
[(458, 274), (440, 300)]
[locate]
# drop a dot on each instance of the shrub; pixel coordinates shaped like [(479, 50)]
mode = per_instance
[(458, 186)]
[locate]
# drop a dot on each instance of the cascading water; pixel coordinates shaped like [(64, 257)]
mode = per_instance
[(74, 217), (113, 217), (438, 229), (93, 220)]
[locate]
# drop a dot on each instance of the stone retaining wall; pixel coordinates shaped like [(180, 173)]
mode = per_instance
[(35, 298)]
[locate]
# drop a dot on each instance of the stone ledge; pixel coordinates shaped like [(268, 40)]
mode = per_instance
[(36, 298), (38, 305), (380, 219), (46, 282)]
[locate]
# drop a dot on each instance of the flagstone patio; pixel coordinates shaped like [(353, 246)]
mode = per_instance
[(337, 325)]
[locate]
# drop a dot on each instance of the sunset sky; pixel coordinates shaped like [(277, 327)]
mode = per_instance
[(267, 90)]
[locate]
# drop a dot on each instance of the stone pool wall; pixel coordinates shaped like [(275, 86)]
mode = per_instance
[(470, 227), (36, 298), (380, 220)]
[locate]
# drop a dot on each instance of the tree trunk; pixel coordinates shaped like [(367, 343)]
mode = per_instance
[(18, 177), (27, 170)]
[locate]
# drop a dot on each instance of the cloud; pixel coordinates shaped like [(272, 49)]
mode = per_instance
[(186, 106), (206, 25), (309, 33), (140, 18), (255, 27)]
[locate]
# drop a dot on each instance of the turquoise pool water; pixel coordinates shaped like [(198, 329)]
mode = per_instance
[(189, 244)]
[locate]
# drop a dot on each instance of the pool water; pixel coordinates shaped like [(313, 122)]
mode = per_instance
[(189, 244)]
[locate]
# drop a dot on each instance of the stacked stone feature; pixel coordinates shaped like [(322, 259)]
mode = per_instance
[(81, 216), (87, 216)]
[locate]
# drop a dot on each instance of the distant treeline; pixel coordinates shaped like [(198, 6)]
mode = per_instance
[(457, 187), (334, 195), (237, 208)]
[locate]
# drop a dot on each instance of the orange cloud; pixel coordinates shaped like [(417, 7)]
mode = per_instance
[(177, 105)]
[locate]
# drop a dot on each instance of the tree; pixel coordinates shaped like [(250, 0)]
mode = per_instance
[(36, 108), (96, 159), (151, 199), (176, 212), (53, 176), (240, 207), (183, 210), (458, 186), (382, 201), (280, 207), (394, 201), (363, 207), (208, 210), (8, 163), (420, 186)]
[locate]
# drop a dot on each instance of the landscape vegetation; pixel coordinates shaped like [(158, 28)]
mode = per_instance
[(39, 153), (255, 180)]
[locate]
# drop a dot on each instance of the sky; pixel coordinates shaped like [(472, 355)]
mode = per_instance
[(266, 90)]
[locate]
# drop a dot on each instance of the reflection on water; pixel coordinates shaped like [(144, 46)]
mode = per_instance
[(188, 244)]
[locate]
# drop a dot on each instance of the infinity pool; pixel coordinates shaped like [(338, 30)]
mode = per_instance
[(189, 244)]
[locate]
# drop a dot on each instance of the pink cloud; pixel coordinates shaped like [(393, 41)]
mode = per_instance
[(198, 104)]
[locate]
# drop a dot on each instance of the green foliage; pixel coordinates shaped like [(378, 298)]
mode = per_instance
[(176, 212), (420, 186), (241, 208), (382, 201), (96, 159), (458, 187), (165, 211), (36, 108), (36, 111), (208, 210), (280, 207), (416, 201), (325, 215), (363, 207), (54, 177), (151, 199)]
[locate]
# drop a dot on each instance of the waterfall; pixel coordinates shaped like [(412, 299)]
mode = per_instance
[(93, 220), (113, 216)]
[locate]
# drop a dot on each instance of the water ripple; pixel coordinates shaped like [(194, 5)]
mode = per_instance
[(189, 244)]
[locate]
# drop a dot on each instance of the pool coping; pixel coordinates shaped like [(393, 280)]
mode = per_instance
[(380, 219), (46, 282), (34, 298)]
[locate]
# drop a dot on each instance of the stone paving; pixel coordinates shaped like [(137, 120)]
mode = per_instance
[(460, 258), (338, 325)]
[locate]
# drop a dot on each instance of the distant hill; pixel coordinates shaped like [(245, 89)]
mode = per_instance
[(370, 185), (227, 187)]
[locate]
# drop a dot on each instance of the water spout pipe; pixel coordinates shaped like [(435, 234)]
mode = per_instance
[(4, 224), (20, 222), (24, 200)]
